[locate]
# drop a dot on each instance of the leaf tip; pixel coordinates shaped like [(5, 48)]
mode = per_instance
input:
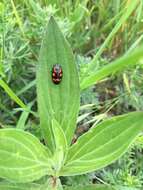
[(52, 19)]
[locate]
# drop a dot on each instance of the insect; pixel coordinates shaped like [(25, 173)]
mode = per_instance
[(57, 74)]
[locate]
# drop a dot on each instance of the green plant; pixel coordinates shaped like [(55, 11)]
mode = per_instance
[(24, 159), (126, 171)]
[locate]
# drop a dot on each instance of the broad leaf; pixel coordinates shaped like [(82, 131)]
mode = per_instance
[(19, 186), (22, 157), (91, 187), (99, 187), (60, 144), (61, 101), (103, 144), (117, 65), (125, 188), (59, 136)]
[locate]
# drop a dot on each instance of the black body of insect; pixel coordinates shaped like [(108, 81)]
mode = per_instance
[(57, 74)]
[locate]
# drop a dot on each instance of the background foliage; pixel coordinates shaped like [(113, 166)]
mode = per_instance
[(86, 24)]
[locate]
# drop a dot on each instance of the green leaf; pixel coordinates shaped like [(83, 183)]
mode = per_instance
[(83, 116), (103, 144), (22, 157), (19, 186), (13, 96), (90, 187), (59, 102), (18, 19), (26, 87), (99, 187), (118, 187), (61, 146), (59, 136), (126, 13), (111, 68), (23, 117)]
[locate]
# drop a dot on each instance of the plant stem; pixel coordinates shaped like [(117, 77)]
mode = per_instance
[(54, 182)]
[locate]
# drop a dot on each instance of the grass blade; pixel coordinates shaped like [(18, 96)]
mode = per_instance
[(117, 65), (13, 96), (127, 12)]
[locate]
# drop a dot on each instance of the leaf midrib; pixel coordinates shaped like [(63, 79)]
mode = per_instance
[(92, 138), (102, 146)]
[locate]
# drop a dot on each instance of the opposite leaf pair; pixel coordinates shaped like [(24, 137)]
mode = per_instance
[(24, 159)]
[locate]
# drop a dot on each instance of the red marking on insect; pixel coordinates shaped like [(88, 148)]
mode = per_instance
[(57, 74)]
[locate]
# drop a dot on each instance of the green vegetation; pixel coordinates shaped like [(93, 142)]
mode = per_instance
[(38, 126)]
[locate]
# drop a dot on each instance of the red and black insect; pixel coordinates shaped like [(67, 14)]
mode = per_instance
[(57, 74)]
